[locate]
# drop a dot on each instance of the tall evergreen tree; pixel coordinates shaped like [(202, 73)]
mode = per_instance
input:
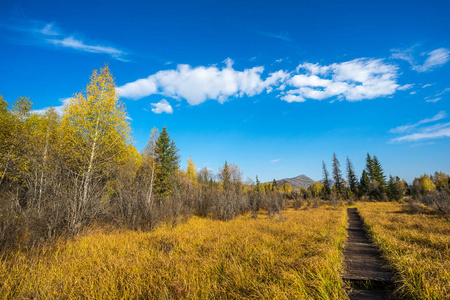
[(257, 188), (337, 175), (274, 185), (378, 174), (369, 166), (167, 159), (326, 179), (352, 180), (364, 183)]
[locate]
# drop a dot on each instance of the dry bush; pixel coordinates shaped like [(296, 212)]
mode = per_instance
[(438, 200)]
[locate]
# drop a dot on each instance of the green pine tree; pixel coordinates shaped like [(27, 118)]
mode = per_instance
[(364, 183), (352, 180), (326, 180), (369, 166), (167, 159), (274, 185), (378, 174), (337, 175), (257, 188)]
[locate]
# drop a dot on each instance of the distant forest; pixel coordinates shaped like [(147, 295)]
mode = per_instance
[(60, 174)]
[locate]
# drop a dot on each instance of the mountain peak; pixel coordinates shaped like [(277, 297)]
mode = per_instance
[(297, 182)]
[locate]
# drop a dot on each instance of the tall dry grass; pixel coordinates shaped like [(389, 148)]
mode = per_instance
[(417, 245), (245, 258)]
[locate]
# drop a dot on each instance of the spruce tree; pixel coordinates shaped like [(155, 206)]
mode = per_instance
[(167, 159), (326, 179), (337, 175), (378, 174), (352, 180), (369, 166), (364, 183)]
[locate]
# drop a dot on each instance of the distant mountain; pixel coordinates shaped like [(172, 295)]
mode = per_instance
[(296, 182)]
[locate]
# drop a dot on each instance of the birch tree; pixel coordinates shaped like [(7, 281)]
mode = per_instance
[(96, 135)]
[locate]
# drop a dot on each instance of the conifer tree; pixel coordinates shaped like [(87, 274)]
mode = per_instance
[(352, 180), (326, 179), (167, 159), (257, 188), (369, 166), (337, 175), (364, 183), (377, 171), (274, 185)]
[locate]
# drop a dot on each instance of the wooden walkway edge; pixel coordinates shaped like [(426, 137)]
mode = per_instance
[(364, 268)]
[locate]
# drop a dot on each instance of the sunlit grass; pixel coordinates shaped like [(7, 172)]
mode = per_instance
[(416, 245), (244, 258)]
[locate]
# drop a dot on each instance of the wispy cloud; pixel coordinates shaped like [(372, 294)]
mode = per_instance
[(162, 106), (405, 87), (433, 100), (434, 59), (440, 130), (275, 160), (71, 42), (400, 129), (38, 33), (437, 97)]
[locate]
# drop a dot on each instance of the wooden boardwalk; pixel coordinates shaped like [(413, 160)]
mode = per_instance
[(364, 269)]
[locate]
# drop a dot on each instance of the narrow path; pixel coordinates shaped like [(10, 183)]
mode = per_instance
[(363, 266)]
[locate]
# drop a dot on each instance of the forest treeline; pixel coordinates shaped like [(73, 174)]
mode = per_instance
[(60, 174), (431, 190)]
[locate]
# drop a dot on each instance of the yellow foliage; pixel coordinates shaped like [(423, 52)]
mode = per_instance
[(191, 171), (94, 124), (243, 258), (427, 184), (415, 245)]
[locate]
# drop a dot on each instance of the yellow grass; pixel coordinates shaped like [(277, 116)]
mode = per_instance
[(416, 245), (298, 258)]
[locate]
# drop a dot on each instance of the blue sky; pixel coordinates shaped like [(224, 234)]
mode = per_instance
[(274, 87)]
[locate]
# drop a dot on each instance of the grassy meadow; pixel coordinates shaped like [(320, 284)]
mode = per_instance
[(417, 245), (245, 258)]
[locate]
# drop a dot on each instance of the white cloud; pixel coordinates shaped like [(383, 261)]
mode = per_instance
[(435, 58), (434, 100), (293, 98), (400, 129), (440, 130), (162, 106), (71, 42), (58, 109), (199, 84), (433, 132), (49, 30), (275, 160), (354, 80), (427, 85), (405, 87)]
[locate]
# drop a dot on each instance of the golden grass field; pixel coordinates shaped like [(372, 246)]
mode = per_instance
[(417, 245), (245, 258)]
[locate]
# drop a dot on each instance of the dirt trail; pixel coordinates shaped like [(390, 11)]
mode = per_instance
[(363, 266)]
